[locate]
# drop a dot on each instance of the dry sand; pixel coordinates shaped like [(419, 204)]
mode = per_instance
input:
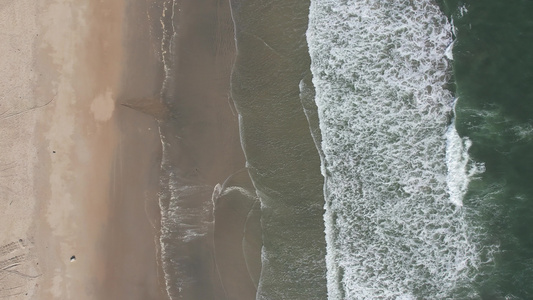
[(63, 168), (18, 265)]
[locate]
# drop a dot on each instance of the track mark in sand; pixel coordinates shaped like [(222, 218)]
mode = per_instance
[(8, 248), (17, 272), (12, 247), (12, 261), (11, 292)]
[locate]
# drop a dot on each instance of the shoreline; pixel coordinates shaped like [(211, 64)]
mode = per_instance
[(83, 201), (203, 212), (136, 171)]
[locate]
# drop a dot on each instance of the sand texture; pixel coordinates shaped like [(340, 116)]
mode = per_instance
[(62, 158), (18, 265)]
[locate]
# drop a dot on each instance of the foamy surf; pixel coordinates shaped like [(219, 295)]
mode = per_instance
[(394, 178), (461, 169), (182, 223), (167, 40)]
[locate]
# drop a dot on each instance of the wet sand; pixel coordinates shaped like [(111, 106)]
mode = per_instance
[(237, 237), (204, 259), (131, 241)]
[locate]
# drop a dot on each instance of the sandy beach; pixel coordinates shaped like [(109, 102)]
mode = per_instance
[(19, 270), (80, 151), (66, 172), (18, 265)]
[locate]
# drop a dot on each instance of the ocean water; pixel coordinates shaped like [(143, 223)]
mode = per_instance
[(493, 68), (395, 223), (424, 110), (387, 143)]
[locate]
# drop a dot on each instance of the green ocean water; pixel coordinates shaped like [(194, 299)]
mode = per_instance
[(493, 74)]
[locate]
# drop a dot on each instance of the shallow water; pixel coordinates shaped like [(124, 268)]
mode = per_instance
[(201, 144), (281, 155)]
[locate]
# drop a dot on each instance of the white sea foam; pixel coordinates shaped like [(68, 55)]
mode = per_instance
[(181, 222), (461, 169), (456, 160), (449, 51), (167, 40), (463, 10), (392, 229)]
